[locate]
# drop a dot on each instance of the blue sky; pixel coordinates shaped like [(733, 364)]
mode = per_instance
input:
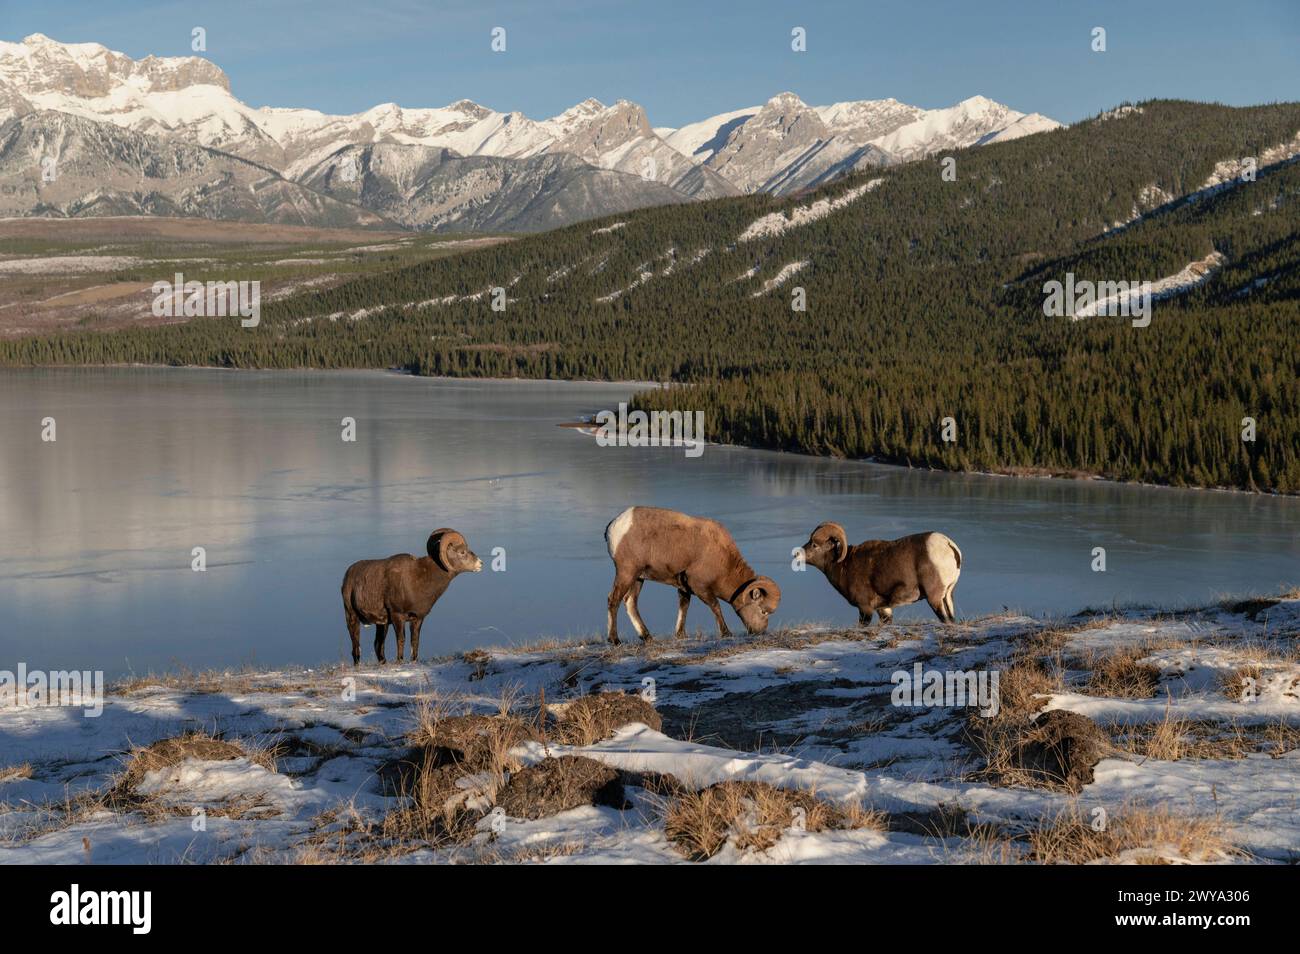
[(688, 60)]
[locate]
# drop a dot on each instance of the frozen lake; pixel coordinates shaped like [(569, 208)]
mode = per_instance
[(98, 527)]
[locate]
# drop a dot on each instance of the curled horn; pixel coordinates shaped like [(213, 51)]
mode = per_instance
[(839, 536), (438, 543), (764, 586)]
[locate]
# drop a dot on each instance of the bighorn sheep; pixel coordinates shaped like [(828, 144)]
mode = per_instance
[(695, 555), (877, 575), (402, 589)]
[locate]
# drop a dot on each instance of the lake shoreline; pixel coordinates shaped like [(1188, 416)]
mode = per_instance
[(1019, 472)]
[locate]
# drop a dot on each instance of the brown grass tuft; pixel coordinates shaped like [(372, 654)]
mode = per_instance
[(1233, 684), (12, 773), (753, 815), (1121, 674), (1136, 834)]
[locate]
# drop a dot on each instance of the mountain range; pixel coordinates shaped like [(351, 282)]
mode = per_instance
[(85, 130)]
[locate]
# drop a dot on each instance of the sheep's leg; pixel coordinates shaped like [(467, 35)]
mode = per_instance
[(634, 614), (399, 630), (937, 597), (948, 605), (415, 637), (354, 630), (381, 630), (712, 603), (886, 614), (622, 582), (864, 616), (683, 603)]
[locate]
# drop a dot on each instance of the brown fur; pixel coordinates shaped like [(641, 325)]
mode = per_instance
[(694, 555), (402, 589), (877, 575)]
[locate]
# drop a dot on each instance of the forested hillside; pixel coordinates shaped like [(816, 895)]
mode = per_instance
[(924, 301)]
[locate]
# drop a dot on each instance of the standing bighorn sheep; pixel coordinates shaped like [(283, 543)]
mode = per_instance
[(877, 575), (402, 589), (696, 556)]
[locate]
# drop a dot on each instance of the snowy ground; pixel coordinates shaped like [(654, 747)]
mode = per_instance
[(802, 709)]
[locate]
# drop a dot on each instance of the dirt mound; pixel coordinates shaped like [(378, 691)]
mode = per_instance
[(559, 784), (1062, 748), (592, 718)]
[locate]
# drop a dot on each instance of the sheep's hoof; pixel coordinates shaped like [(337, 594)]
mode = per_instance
[(647, 638), (613, 640)]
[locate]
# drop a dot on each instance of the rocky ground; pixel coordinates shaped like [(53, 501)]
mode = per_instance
[(1132, 736)]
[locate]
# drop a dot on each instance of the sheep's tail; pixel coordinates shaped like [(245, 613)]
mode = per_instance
[(956, 552)]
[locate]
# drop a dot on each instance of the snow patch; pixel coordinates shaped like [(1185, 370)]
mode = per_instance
[(778, 223), (784, 275), (1170, 286)]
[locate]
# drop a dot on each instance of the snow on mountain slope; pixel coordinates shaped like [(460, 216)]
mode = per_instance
[(1024, 126), (103, 169), (786, 145), (953, 128), (869, 119), (619, 138), (702, 139), (780, 147), (425, 187), (783, 136)]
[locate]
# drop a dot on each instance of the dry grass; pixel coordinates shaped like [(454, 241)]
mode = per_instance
[(1234, 684), (1176, 738), (458, 761), (753, 816), (122, 798), (1121, 674), (591, 718), (12, 773), (1023, 688), (1136, 834)]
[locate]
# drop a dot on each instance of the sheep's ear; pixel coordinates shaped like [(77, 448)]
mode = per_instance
[(437, 546), (756, 594)]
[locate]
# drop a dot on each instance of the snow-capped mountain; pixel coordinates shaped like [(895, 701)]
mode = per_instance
[(97, 168), (427, 187), (953, 128), (782, 146)]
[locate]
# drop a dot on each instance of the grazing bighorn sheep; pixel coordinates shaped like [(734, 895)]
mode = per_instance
[(402, 589), (877, 575), (695, 555)]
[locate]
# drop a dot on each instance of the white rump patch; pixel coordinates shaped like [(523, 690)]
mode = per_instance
[(940, 551), (618, 529)]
